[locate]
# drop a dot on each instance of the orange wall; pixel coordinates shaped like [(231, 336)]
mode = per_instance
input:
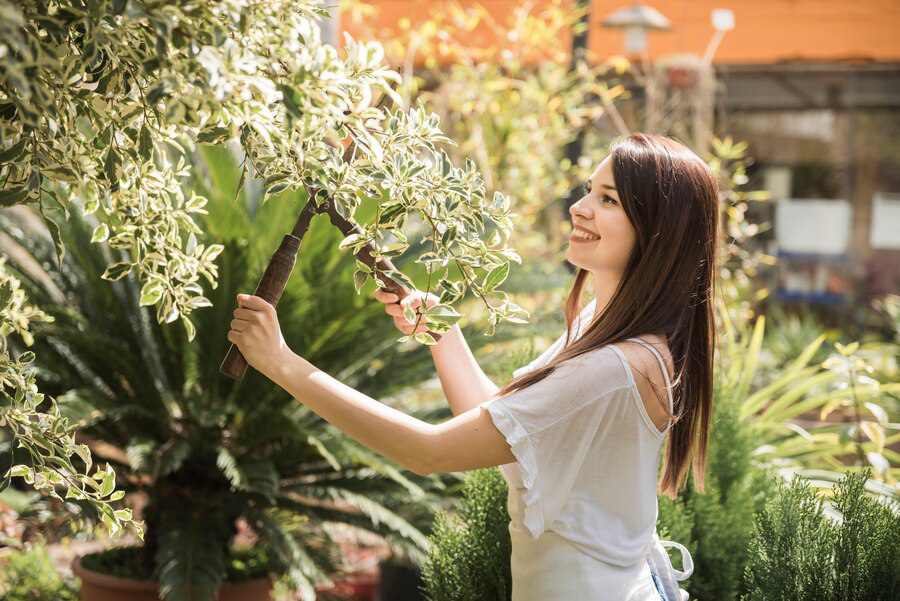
[(765, 31)]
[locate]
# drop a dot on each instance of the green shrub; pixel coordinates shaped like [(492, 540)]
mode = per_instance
[(468, 557), (31, 576), (801, 554), (716, 525)]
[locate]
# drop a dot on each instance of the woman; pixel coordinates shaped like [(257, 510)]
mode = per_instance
[(578, 432)]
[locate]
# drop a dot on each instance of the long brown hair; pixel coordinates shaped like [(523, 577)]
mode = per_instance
[(671, 199)]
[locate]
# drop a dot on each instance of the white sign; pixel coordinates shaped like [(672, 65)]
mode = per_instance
[(819, 226), (885, 232)]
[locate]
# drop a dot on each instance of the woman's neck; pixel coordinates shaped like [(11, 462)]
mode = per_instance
[(604, 288)]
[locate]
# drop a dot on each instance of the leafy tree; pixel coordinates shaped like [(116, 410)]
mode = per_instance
[(43, 433), (101, 104)]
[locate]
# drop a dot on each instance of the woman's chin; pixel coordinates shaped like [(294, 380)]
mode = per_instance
[(573, 263)]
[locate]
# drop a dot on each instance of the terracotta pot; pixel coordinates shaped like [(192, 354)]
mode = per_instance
[(359, 586), (102, 587)]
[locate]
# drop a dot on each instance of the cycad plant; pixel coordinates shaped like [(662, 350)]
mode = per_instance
[(208, 450)]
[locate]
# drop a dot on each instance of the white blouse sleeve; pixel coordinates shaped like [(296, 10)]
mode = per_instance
[(551, 425)]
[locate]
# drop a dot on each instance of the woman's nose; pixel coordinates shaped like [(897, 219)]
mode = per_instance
[(579, 208)]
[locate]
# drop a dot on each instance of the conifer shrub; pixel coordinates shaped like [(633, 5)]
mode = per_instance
[(717, 524), (806, 549), (469, 552)]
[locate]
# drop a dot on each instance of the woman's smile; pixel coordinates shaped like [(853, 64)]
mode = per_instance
[(579, 235)]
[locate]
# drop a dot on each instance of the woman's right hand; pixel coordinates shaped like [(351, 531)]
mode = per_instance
[(413, 300)]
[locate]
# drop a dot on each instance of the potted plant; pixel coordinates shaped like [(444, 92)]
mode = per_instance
[(205, 450)]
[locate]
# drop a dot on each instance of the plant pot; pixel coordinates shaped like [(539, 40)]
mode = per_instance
[(102, 587), (358, 586), (400, 582)]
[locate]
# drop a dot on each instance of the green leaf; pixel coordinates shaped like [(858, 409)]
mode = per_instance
[(6, 293), (111, 164), (441, 310), (14, 152), (101, 233), (53, 228), (409, 314), (145, 143), (189, 328), (60, 173), (359, 280), (496, 277), (426, 338), (74, 493), (13, 196), (350, 240), (19, 471), (400, 278), (240, 185), (214, 135), (109, 482), (117, 271), (84, 452), (150, 293), (226, 462)]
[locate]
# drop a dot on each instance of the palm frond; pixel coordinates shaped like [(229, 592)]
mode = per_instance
[(374, 511), (302, 569), (191, 559)]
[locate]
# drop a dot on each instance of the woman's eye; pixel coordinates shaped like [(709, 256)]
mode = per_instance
[(610, 198)]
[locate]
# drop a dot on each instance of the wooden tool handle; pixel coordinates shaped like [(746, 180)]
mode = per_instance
[(270, 287)]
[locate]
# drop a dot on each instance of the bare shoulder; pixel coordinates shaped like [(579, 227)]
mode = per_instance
[(648, 377)]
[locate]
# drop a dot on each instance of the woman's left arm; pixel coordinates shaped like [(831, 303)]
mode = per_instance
[(468, 441)]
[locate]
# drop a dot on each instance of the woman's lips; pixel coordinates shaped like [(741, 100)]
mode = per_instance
[(576, 238)]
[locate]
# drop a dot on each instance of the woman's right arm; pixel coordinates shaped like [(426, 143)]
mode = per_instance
[(464, 383)]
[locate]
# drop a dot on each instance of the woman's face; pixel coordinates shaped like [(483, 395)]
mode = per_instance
[(612, 237)]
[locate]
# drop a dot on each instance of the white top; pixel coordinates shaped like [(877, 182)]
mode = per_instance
[(587, 453)]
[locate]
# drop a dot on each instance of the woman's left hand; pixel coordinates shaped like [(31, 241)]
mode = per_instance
[(256, 333)]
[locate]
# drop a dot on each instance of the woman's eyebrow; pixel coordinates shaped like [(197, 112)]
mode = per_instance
[(587, 182)]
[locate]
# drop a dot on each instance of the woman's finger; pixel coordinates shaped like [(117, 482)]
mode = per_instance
[(384, 296), (407, 329), (394, 309), (245, 314)]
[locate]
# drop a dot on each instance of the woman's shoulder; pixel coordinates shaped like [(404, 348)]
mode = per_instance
[(640, 356), (613, 362), (602, 366), (651, 382)]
